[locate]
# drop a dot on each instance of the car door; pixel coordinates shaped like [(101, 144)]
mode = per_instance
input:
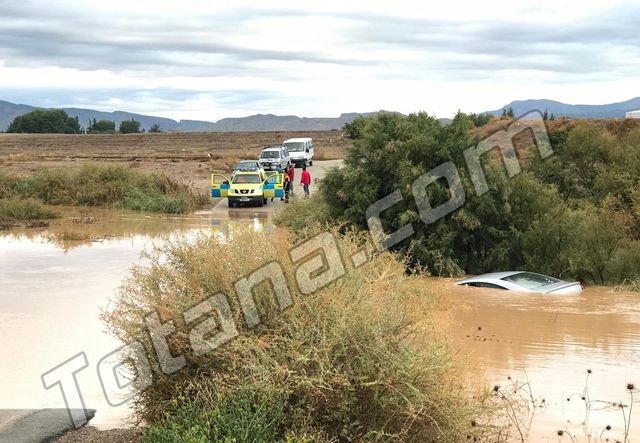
[(273, 186), (219, 186)]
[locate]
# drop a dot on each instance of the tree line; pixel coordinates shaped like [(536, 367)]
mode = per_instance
[(57, 121), (575, 215)]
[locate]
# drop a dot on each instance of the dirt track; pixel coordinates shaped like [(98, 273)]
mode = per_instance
[(182, 155)]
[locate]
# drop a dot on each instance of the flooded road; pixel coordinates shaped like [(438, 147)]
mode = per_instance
[(55, 282), (552, 342)]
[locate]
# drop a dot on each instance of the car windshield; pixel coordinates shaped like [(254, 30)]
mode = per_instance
[(247, 165), (246, 179), (270, 154), (295, 146), (530, 280)]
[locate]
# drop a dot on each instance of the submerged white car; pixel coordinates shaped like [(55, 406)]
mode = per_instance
[(523, 281)]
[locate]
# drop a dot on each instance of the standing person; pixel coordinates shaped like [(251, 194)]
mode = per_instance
[(305, 180), (286, 184), (291, 173)]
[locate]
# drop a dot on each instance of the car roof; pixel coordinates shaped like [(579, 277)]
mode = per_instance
[(294, 140), (491, 276), (273, 148), (256, 172)]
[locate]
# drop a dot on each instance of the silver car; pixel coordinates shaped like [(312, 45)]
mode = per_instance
[(523, 281), (275, 158)]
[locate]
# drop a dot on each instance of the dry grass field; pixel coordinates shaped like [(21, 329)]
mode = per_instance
[(181, 155)]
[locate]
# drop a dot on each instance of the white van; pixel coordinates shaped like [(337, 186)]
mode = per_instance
[(300, 150)]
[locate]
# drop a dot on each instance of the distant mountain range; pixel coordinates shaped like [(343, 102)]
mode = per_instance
[(613, 110), (259, 122), (270, 122)]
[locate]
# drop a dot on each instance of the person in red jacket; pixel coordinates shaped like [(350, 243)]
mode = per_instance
[(291, 173), (305, 180)]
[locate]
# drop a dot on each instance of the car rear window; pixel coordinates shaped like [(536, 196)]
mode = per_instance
[(270, 154), (530, 280)]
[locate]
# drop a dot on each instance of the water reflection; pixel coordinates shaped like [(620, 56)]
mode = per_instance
[(55, 282)]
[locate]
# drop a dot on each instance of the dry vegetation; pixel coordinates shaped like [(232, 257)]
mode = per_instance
[(338, 365), (181, 155)]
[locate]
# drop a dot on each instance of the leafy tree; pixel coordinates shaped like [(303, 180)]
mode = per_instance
[(480, 119), (390, 155), (155, 128), (545, 115), (103, 126), (573, 215), (354, 129), (510, 112), (45, 121), (552, 117), (130, 127)]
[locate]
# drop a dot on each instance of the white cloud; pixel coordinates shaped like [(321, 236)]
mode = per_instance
[(209, 60)]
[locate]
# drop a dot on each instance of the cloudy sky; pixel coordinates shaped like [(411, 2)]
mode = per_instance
[(213, 59)]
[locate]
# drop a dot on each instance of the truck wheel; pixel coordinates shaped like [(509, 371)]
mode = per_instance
[(311, 162), (261, 202), (265, 201)]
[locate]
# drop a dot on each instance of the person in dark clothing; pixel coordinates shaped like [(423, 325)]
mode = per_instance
[(286, 185)]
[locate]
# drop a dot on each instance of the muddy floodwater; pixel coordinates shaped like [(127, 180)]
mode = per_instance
[(54, 283), (505, 338)]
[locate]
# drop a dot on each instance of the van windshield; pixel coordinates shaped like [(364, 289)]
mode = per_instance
[(295, 146), (270, 154)]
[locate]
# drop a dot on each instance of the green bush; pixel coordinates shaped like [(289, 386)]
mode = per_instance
[(20, 209), (241, 415), (106, 185), (303, 215), (356, 361)]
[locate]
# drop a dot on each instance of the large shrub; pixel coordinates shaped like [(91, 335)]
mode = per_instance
[(356, 361)]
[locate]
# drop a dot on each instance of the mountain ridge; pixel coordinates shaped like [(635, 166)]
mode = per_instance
[(258, 122), (581, 111), (271, 122)]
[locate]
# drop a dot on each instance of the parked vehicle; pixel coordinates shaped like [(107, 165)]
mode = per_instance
[(301, 150), (275, 158), (523, 282), (255, 187), (247, 165)]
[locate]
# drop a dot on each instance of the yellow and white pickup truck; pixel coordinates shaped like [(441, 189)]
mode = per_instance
[(255, 187)]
